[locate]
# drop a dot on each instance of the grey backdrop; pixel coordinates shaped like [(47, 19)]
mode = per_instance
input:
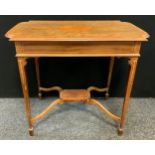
[(78, 72)]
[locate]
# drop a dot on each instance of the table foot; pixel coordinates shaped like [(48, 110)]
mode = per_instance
[(40, 95), (106, 95), (31, 132), (120, 132)]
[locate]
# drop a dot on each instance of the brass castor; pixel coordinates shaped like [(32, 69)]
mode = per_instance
[(120, 131), (31, 132), (106, 95), (40, 95)]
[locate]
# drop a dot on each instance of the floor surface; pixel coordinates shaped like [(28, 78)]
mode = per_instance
[(77, 120)]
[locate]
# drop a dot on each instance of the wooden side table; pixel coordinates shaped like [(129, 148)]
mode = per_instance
[(35, 39)]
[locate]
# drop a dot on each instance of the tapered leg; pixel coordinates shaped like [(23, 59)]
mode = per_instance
[(132, 70), (111, 64), (21, 64), (38, 76)]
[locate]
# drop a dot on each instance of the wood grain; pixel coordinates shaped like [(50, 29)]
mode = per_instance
[(74, 95), (76, 31), (76, 49)]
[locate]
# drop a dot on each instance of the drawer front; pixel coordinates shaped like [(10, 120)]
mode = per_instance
[(75, 49)]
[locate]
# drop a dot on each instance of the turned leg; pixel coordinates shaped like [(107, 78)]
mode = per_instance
[(111, 64), (38, 76), (21, 64), (132, 70)]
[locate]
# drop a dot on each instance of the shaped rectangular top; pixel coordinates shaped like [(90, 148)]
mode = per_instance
[(76, 31)]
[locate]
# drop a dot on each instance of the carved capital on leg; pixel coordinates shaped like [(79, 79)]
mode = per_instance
[(132, 61), (22, 60)]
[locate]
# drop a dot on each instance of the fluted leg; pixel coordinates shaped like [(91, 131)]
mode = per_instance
[(21, 64), (111, 64), (132, 70), (38, 76)]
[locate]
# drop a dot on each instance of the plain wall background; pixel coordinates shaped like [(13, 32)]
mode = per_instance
[(78, 72)]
